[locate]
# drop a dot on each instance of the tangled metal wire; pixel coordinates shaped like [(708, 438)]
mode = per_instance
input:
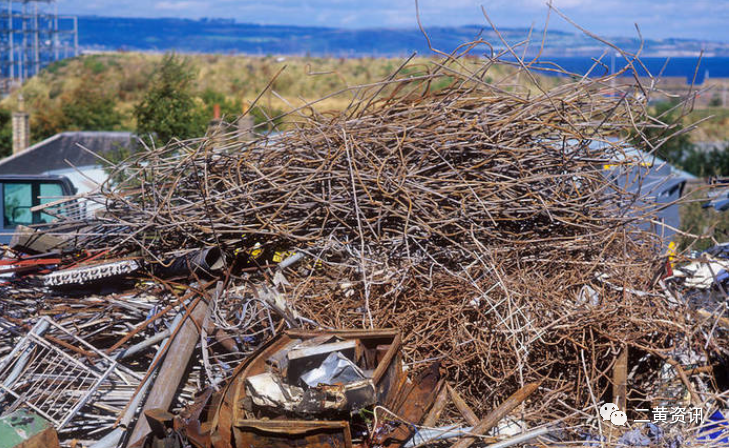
[(478, 216)]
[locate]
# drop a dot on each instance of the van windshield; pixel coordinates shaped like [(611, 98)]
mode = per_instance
[(18, 200), (20, 197)]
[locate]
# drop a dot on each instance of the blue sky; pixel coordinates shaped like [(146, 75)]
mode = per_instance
[(697, 19)]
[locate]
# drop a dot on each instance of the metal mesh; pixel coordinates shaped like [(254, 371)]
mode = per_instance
[(52, 379)]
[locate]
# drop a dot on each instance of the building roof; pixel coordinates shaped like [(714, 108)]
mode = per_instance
[(57, 152)]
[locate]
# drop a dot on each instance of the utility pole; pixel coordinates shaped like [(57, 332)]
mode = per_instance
[(11, 45), (36, 40), (55, 35), (75, 36), (33, 38), (23, 53)]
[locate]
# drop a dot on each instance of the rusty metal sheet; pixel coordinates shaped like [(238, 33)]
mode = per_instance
[(292, 434), (221, 420), (231, 425), (198, 433), (413, 401), (25, 429)]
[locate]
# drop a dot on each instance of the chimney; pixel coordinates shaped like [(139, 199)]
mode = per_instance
[(21, 127), (217, 128), (245, 125)]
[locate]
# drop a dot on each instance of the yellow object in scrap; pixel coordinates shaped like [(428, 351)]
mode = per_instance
[(671, 252), (281, 255)]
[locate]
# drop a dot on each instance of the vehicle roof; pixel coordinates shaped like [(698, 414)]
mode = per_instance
[(33, 177), (40, 177)]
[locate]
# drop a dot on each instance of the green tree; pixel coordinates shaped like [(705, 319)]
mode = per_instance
[(711, 225), (230, 109), (679, 151), (714, 162), (168, 109), (715, 101), (46, 119), (90, 108), (675, 148), (6, 133)]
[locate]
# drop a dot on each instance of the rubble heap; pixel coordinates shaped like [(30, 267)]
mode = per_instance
[(480, 218)]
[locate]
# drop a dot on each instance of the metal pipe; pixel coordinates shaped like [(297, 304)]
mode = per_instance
[(39, 329), (11, 37), (427, 435), (112, 439), (134, 349), (36, 39), (202, 262), (55, 40), (291, 260), (521, 438)]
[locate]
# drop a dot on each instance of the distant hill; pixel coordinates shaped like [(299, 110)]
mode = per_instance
[(227, 36)]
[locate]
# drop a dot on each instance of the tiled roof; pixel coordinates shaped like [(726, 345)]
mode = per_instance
[(57, 152)]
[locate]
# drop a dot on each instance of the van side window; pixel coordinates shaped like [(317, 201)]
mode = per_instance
[(18, 200), (49, 192)]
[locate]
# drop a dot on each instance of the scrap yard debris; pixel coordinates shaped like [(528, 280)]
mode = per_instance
[(452, 258)]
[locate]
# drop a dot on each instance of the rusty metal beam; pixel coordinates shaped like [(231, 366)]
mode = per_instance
[(441, 401), (173, 368), (463, 407), (620, 379), (494, 417)]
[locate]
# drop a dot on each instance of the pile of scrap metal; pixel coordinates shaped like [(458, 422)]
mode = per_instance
[(215, 300), (89, 350), (718, 195), (703, 283), (316, 389), (345, 388)]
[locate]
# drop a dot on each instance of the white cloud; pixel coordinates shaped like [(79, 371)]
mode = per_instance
[(696, 19), (178, 6), (561, 4)]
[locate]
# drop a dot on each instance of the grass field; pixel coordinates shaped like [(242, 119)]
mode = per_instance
[(240, 79), (125, 77), (715, 128)]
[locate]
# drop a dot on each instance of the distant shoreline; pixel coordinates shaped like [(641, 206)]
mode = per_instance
[(230, 37), (666, 67), (683, 67)]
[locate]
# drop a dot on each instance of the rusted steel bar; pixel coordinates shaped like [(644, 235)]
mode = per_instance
[(493, 418), (439, 405), (112, 439), (172, 369), (462, 407), (86, 353), (620, 379), (157, 315)]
